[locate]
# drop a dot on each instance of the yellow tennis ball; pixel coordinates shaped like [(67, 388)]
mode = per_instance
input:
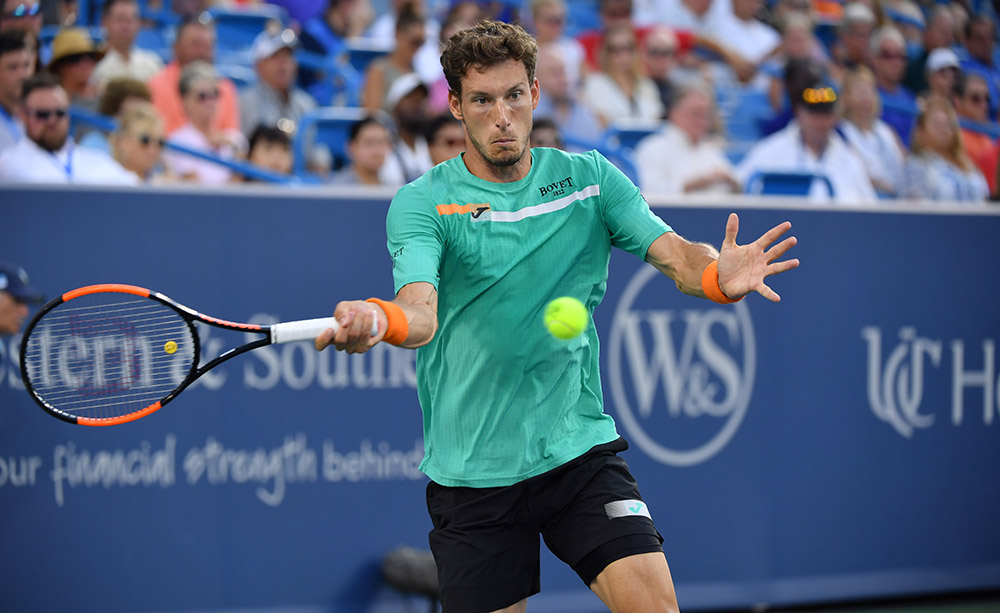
[(170, 347), (566, 317)]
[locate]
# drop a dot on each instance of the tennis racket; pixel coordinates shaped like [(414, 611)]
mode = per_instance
[(109, 354)]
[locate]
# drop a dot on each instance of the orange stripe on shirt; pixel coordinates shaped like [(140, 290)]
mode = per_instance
[(458, 209)]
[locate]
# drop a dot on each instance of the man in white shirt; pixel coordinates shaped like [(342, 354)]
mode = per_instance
[(742, 40), (679, 159), (16, 65), (121, 23), (46, 154), (810, 145), (411, 156)]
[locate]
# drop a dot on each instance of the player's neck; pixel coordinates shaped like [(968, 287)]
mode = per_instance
[(483, 169)]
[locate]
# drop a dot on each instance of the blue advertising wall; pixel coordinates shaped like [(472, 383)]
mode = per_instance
[(842, 444)]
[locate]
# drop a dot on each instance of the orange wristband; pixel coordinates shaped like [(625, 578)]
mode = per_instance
[(710, 285), (398, 328)]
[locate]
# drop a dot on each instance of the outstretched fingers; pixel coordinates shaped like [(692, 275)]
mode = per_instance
[(732, 228), (774, 234)]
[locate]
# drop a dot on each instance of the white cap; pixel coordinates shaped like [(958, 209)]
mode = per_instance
[(401, 87), (941, 58), (270, 42), (855, 12)]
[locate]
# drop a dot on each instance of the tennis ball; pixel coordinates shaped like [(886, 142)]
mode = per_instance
[(566, 317), (170, 347)]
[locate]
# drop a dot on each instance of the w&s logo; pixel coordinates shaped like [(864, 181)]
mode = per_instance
[(680, 378)]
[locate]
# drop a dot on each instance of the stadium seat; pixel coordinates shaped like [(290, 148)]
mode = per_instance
[(158, 39), (239, 74), (237, 29), (337, 83), (627, 134), (329, 126), (361, 52), (785, 183)]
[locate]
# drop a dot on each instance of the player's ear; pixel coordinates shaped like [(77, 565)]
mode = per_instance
[(535, 94), (455, 105)]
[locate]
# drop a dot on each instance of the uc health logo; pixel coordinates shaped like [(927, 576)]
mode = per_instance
[(681, 378)]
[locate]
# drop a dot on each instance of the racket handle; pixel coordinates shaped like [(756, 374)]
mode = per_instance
[(307, 329)]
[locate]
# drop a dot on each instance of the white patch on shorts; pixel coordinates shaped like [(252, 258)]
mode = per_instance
[(627, 508)]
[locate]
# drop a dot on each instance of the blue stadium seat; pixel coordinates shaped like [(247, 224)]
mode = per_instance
[(628, 134), (239, 74), (338, 83), (159, 40), (329, 126), (785, 183), (237, 29), (361, 52)]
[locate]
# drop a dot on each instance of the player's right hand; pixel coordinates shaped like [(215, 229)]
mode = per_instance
[(354, 334)]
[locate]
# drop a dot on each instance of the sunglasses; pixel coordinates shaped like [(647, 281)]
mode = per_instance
[(978, 98), (210, 95), (147, 140), (660, 52), (46, 114), (620, 49), (23, 11), (892, 56)]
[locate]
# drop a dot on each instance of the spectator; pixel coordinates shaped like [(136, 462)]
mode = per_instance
[(368, 148), (15, 295), (557, 101), (383, 72), (977, 56), (411, 156), (799, 73), (888, 50), (809, 144), (549, 19), (195, 42), (74, 56), (120, 94), (328, 33), (797, 43), (850, 50), (16, 66), (120, 19), (46, 153), (200, 95), (137, 143), (971, 102), (463, 15), (742, 40), (426, 59), (659, 50), (938, 168), (614, 14), (274, 97), (939, 34), (271, 148), (445, 138), (619, 90), (681, 159), (545, 133), (24, 16), (877, 144), (943, 70)]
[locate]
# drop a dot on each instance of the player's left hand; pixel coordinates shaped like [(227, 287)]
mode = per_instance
[(743, 268)]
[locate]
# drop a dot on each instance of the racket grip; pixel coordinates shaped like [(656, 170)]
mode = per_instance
[(307, 329)]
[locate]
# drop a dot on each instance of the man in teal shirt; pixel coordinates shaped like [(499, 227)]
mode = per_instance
[(516, 440)]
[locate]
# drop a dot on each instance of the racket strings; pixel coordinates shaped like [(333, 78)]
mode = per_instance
[(105, 355)]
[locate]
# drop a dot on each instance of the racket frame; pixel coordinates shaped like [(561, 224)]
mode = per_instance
[(277, 333)]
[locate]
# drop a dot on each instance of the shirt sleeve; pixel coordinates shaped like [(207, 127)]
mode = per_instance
[(632, 225), (415, 238)]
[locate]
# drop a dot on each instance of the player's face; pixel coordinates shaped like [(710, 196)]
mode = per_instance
[(12, 314), (496, 106)]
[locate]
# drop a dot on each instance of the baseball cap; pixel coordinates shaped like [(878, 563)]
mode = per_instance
[(271, 41), (818, 97), (402, 87), (14, 281), (942, 58)]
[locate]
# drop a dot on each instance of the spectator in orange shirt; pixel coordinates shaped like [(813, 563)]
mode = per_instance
[(195, 41), (971, 98)]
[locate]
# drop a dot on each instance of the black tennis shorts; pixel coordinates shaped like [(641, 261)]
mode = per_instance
[(486, 540)]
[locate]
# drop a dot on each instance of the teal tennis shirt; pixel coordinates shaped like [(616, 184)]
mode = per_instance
[(502, 400)]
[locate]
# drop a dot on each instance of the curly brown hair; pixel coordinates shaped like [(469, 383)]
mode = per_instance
[(486, 44)]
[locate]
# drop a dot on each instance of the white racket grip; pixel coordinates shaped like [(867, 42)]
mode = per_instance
[(307, 329)]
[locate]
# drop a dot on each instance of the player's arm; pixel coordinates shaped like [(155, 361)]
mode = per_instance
[(412, 317), (741, 268)]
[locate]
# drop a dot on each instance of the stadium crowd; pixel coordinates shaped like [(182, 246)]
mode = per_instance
[(857, 102)]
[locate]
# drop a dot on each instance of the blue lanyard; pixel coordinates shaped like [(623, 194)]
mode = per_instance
[(68, 166), (11, 124)]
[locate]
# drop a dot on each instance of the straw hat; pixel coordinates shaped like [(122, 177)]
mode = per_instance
[(70, 42)]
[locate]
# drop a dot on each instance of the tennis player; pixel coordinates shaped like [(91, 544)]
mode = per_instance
[(516, 440)]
